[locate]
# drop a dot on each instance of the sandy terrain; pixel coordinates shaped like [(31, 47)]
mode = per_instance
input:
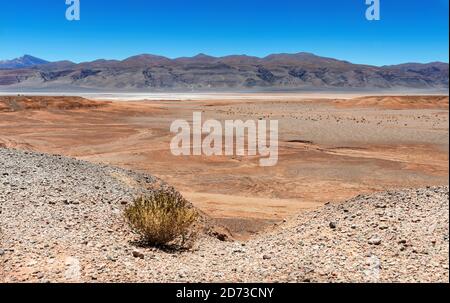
[(330, 149)]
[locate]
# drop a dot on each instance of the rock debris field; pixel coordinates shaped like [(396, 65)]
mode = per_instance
[(61, 221)]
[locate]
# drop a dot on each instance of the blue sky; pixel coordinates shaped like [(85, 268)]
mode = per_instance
[(409, 31)]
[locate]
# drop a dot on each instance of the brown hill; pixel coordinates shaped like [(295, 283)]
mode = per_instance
[(22, 103), (397, 102)]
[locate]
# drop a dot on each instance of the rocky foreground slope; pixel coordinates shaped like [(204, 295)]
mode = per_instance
[(61, 220)]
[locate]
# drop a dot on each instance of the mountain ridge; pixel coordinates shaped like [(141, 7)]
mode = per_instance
[(203, 72)]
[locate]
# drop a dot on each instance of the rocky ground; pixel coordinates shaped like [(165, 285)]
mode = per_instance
[(61, 221)]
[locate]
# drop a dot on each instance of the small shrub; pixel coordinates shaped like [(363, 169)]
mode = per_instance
[(162, 219)]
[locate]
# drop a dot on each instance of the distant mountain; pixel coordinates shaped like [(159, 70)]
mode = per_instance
[(22, 62), (198, 59), (237, 72), (419, 66)]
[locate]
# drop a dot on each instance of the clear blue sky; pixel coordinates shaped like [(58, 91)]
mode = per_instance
[(409, 30)]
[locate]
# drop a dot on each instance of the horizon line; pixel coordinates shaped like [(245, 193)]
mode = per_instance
[(223, 56)]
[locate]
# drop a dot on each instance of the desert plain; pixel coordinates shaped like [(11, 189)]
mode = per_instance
[(332, 147)]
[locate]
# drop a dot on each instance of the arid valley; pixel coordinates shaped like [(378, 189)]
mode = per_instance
[(331, 149), (213, 151), (338, 154)]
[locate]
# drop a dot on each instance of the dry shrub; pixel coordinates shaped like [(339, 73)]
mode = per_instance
[(164, 218)]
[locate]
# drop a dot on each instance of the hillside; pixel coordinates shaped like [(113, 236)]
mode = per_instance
[(61, 222)]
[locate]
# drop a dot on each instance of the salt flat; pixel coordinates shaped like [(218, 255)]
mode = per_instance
[(186, 96)]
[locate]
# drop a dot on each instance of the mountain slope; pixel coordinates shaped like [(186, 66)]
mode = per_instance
[(237, 72)]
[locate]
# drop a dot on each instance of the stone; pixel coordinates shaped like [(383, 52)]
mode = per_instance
[(375, 241), (138, 254)]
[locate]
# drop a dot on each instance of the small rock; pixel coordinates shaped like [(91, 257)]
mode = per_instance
[(235, 251), (383, 227), (138, 254), (111, 258), (375, 241), (332, 225), (267, 257)]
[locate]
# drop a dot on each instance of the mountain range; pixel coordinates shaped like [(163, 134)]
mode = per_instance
[(202, 72)]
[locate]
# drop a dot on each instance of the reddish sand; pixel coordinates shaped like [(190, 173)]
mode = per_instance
[(396, 102)]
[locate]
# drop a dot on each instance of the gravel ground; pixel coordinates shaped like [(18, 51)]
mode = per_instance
[(61, 221)]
